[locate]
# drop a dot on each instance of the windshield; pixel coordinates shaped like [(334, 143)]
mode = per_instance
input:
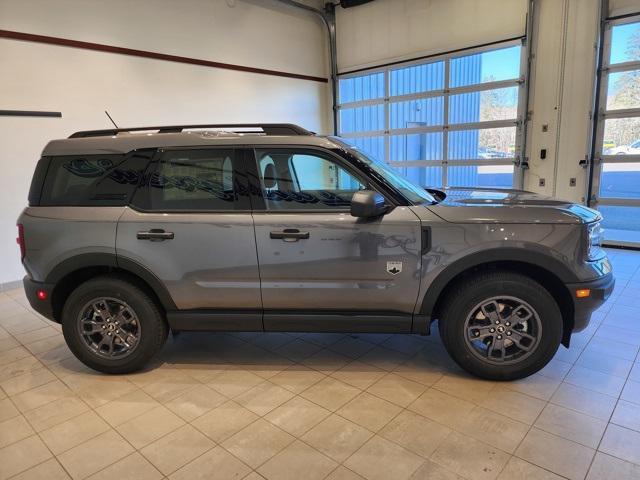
[(414, 193)]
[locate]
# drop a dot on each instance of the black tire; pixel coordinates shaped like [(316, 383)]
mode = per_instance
[(464, 299), (153, 327)]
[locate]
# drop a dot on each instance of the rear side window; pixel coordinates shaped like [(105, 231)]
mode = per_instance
[(193, 180), (93, 180)]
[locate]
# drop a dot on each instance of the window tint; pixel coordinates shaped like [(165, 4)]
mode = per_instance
[(304, 180), (191, 180), (93, 179)]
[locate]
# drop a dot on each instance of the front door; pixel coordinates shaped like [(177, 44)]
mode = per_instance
[(190, 225), (321, 268)]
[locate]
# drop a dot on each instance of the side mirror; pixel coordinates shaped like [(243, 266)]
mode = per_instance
[(367, 204)]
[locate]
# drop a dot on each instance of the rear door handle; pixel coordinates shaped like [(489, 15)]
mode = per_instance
[(289, 235), (155, 235)]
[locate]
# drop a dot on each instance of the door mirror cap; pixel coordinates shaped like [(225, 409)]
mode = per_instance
[(368, 204)]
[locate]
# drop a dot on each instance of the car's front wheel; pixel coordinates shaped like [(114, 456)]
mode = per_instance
[(501, 325), (112, 326)]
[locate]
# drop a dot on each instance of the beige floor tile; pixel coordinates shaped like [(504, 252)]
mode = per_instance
[(343, 473), (21, 456), (627, 415), (384, 358), (415, 433), (195, 402), (254, 476), (465, 387), (351, 347), (126, 407), (263, 398), (102, 390), (440, 407), (27, 381), (297, 378), (536, 386), (470, 458), (397, 389), (47, 470), (133, 467), (296, 461), (19, 367), (7, 409), (606, 467), (369, 412), (380, 459), (584, 401), (55, 412), (322, 339), (36, 397), (359, 375), (514, 405), (330, 393), (407, 344), (257, 443), (432, 471), (556, 369), (232, 383), (216, 464), (176, 449), (594, 380), (326, 361), (171, 386), (556, 454), (297, 416), (36, 335), (621, 443), (224, 421), (337, 437), (518, 469), (7, 343), (73, 432), (95, 454), (298, 350), (9, 356), (149, 426), (605, 364), (571, 425), (46, 344), (14, 430), (492, 428), (426, 367)]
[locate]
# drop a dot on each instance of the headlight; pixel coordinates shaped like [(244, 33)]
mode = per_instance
[(595, 237)]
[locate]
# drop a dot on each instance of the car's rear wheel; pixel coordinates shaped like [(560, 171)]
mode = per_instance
[(113, 326), (500, 325)]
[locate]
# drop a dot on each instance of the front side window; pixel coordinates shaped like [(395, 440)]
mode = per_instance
[(191, 180), (304, 180)]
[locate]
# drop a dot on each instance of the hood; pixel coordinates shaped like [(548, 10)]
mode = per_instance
[(485, 205)]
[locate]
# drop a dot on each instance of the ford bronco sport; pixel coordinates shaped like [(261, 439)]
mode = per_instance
[(132, 233)]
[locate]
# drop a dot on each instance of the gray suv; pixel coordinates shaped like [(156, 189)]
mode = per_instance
[(132, 233)]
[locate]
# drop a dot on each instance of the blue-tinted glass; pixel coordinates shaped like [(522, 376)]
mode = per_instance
[(482, 144), (423, 176), (621, 136), (372, 146), (497, 104), (491, 66), (620, 180), (417, 113), (480, 176), (623, 90), (362, 119), (417, 78), (366, 87), (625, 43), (621, 223), (419, 146)]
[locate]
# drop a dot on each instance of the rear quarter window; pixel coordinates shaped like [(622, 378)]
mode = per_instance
[(92, 180)]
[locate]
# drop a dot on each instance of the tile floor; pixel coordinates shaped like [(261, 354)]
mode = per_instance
[(315, 406)]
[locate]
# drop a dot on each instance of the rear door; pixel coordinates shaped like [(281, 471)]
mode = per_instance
[(190, 225), (321, 268)]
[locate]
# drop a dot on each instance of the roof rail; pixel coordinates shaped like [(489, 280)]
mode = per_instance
[(262, 128)]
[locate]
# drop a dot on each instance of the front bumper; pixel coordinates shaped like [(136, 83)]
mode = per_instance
[(600, 289), (43, 306)]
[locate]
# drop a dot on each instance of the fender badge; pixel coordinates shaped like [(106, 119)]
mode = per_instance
[(394, 268)]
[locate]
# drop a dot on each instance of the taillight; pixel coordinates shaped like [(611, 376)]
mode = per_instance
[(20, 241)]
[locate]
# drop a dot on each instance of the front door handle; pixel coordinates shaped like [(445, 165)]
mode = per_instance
[(155, 235), (289, 235)]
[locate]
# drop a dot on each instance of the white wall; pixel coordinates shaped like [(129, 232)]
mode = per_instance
[(138, 91)]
